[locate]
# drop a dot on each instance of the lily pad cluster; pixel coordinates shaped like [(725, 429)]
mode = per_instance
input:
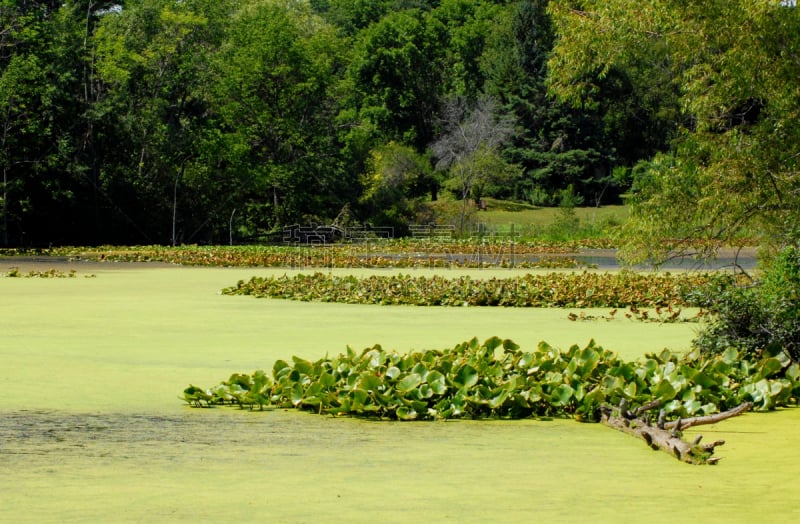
[(660, 315), (586, 289), (497, 379), (382, 254), (197, 253), (15, 272)]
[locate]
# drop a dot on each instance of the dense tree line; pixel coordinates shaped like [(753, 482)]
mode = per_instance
[(195, 121)]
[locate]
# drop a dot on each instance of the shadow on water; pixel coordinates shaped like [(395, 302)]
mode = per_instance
[(601, 259), (607, 260)]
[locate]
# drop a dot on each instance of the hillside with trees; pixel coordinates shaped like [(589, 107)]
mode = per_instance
[(198, 121)]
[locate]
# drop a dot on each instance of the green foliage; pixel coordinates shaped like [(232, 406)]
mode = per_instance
[(40, 115), (731, 67), (396, 74), (780, 291), (760, 318), (739, 323), (498, 379), (397, 253), (274, 81), (559, 144), (351, 16), (14, 272), (552, 290), (396, 176), (204, 120), (469, 26)]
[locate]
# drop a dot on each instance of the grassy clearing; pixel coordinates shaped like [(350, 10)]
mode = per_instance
[(92, 428), (534, 223), (500, 212)]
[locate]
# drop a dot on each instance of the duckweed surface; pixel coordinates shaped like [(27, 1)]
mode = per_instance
[(92, 430)]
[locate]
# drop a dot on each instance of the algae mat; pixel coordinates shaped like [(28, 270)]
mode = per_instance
[(91, 429)]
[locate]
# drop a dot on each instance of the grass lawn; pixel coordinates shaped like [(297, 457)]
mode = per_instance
[(500, 212), (91, 428), (534, 222)]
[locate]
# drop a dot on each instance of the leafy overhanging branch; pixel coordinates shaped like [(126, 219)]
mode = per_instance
[(732, 170)]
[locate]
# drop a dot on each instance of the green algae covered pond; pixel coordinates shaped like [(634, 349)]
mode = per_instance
[(92, 429)]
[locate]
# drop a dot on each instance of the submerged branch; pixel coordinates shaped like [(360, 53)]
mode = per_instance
[(667, 436)]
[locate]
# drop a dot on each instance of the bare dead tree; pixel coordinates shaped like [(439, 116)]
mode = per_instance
[(470, 132)]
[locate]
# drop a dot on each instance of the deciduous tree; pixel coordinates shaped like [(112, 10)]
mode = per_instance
[(468, 146), (734, 168), (396, 74), (274, 84)]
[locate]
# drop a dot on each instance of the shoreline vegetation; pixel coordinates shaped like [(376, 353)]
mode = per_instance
[(374, 253)]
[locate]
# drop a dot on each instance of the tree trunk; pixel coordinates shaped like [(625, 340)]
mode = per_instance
[(5, 206), (175, 204)]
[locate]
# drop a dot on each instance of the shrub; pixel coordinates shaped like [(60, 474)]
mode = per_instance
[(764, 316), (780, 293), (738, 323)]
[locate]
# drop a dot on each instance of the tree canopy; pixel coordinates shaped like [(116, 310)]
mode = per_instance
[(732, 168), (167, 121)]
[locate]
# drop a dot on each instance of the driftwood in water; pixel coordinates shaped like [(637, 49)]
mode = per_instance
[(666, 436)]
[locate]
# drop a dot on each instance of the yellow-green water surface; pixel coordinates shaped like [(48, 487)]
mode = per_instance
[(92, 430)]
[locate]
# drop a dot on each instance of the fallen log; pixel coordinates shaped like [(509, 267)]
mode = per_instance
[(666, 436)]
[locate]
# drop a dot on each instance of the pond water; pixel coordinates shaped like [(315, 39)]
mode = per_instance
[(92, 430)]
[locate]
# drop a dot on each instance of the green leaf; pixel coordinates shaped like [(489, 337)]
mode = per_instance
[(369, 381), (466, 377), (770, 366), (492, 343), (691, 406), (525, 360), (420, 370), (594, 398), (437, 382), (409, 382), (372, 357), (393, 372), (425, 391), (703, 380), (630, 390), (611, 384), (405, 413), (327, 380), (297, 393), (664, 391), (358, 398), (279, 368), (498, 396), (386, 400), (561, 395), (260, 380), (730, 356)]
